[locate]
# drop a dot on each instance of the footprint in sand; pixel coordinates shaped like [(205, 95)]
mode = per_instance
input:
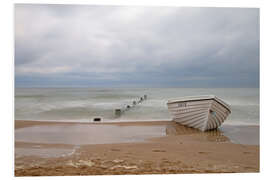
[(249, 168), (158, 150), (201, 152), (115, 149)]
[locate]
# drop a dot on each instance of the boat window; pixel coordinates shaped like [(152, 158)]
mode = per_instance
[(183, 104)]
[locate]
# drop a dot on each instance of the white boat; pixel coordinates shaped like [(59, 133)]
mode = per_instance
[(202, 112)]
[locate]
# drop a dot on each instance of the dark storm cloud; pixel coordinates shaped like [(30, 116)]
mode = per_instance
[(153, 46)]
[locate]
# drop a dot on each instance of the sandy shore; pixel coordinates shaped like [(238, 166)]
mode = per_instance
[(179, 150)]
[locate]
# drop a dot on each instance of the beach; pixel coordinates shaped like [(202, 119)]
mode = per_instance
[(115, 90), (146, 147)]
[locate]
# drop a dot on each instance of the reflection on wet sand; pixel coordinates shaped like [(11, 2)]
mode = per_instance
[(43, 152), (31, 140), (215, 135), (248, 135), (132, 148), (79, 134)]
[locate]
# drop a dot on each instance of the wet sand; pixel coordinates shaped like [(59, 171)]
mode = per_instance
[(163, 147)]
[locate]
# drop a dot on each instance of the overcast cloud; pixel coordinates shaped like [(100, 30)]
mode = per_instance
[(67, 45)]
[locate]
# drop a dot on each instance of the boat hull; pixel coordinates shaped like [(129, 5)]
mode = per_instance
[(203, 114)]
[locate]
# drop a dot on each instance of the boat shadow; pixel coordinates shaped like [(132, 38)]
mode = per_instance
[(215, 135)]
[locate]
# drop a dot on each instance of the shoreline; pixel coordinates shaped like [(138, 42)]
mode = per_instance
[(27, 123), (179, 150)]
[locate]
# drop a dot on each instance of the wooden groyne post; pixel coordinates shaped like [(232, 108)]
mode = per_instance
[(118, 112)]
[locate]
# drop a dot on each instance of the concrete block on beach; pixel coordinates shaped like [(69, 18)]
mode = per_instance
[(97, 119)]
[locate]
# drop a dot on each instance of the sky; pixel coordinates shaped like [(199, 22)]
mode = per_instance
[(135, 46)]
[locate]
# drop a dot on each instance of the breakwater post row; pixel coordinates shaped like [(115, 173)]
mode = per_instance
[(120, 111)]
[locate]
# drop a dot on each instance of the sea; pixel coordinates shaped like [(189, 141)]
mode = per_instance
[(85, 104)]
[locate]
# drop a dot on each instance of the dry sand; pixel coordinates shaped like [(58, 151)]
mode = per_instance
[(182, 150)]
